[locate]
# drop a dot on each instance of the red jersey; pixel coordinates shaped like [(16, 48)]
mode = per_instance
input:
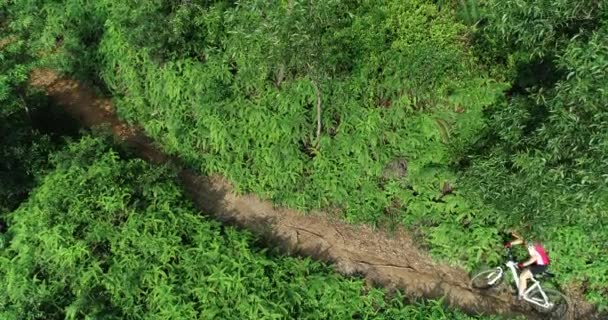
[(543, 257)]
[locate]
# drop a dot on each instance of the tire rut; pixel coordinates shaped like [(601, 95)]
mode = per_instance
[(390, 261)]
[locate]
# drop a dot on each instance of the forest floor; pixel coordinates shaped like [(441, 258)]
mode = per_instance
[(389, 260)]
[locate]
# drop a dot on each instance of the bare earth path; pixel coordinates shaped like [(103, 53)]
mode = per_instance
[(390, 261)]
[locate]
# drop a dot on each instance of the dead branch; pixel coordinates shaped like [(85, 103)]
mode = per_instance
[(280, 75)]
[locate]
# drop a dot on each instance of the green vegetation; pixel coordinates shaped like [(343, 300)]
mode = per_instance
[(25, 128), (456, 119), (542, 160), (105, 238), (15, 156), (392, 80)]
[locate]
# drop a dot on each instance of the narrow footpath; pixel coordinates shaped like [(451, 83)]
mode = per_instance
[(390, 261)]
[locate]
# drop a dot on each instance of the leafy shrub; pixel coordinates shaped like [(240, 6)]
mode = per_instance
[(24, 146), (108, 238), (542, 160)]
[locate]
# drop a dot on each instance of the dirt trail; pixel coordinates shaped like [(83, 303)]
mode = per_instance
[(391, 261)]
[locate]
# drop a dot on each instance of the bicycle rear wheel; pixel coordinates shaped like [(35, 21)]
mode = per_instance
[(487, 278), (559, 303)]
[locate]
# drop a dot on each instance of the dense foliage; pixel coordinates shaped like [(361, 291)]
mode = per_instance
[(14, 177), (24, 139), (105, 238), (543, 157), (456, 119)]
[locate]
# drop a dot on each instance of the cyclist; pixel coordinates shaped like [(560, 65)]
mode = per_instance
[(537, 264)]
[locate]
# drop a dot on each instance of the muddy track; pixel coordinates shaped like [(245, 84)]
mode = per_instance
[(390, 261)]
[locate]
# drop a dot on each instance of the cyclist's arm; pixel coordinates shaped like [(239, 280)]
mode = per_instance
[(534, 257), (530, 261), (517, 241)]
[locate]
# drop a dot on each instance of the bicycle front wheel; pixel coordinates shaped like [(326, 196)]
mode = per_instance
[(486, 279), (558, 304)]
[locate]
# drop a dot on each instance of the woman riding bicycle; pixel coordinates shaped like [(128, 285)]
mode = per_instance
[(537, 264)]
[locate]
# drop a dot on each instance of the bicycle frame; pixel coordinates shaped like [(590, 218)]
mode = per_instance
[(511, 265)]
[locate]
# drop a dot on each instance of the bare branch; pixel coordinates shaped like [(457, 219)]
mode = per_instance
[(280, 75)]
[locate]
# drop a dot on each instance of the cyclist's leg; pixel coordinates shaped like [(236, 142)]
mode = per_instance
[(523, 281)]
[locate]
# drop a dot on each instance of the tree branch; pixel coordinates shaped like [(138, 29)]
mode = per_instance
[(280, 75)]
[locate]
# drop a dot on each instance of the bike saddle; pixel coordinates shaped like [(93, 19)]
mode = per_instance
[(545, 274), (549, 274)]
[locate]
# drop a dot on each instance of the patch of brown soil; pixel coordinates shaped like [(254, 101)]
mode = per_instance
[(390, 261), (6, 41)]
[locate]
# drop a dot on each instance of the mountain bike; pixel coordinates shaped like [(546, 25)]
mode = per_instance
[(544, 300)]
